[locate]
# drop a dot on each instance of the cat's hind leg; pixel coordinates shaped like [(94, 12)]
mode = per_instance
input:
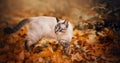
[(29, 45)]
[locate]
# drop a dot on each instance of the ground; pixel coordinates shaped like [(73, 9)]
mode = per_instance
[(87, 46)]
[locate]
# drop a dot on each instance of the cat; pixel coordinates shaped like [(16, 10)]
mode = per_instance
[(45, 27)]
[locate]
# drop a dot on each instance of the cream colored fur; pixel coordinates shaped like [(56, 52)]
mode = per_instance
[(43, 27)]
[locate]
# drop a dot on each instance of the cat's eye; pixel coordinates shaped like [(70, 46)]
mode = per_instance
[(57, 28), (62, 30)]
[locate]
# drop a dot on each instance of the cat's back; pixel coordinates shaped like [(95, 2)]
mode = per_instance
[(42, 26), (42, 22), (43, 19)]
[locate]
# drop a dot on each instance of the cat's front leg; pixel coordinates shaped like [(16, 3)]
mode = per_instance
[(66, 46), (29, 45)]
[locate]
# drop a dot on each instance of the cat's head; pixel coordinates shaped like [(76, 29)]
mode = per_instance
[(61, 27)]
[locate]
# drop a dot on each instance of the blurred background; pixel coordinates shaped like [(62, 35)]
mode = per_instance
[(66, 9), (96, 31)]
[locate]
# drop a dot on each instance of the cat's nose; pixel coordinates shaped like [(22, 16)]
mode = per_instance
[(55, 31)]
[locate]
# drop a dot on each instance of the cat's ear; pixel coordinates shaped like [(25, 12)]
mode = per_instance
[(57, 19), (66, 23)]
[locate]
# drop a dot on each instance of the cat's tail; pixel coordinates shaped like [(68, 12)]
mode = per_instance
[(9, 30)]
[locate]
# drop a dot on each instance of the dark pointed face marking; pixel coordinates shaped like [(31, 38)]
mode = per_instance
[(61, 27), (57, 19)]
